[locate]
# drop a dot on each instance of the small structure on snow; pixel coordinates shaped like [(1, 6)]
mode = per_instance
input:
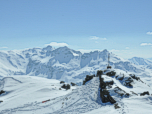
[(108, 67)]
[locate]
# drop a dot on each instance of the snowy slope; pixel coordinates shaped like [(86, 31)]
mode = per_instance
[(24, 95), (24, 89)]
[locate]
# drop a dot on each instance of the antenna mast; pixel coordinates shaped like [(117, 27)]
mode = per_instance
[(108, 58), (108, 67)]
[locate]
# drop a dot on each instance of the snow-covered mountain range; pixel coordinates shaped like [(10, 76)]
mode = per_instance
[(30, 82), (65, 64), (141, 61)]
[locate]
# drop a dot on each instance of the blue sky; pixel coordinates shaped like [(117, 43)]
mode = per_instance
[(123, 27)]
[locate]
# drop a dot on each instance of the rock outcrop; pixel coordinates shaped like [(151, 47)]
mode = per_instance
[(73, 84), (116, 106), (144, 93), (134, 77), (88, 78), (66, 86), (1, 92), (62, 82), (99, 73), (104, 93), (121, 92), (112, 73), (1, 101), (126, 81)]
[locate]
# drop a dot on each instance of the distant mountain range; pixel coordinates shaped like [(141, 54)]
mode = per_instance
[(141, 61), (150, 59), (64, 63)]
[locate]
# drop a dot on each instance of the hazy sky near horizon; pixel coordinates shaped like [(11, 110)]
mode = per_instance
[(123, 27)]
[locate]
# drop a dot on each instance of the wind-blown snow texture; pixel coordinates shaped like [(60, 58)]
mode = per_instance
[(64, 63)]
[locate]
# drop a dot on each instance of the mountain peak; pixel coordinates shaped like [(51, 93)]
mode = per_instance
[(48, 48), (105, 50)]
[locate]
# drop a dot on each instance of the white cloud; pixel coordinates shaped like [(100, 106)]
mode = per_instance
[(97, 38), (55, 44), (114, 50), (149, 33), (3, 47), (127, 47), (94, 38), (103, 38), (146, 44)]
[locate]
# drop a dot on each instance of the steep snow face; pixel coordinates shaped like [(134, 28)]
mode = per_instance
[(61, 63)]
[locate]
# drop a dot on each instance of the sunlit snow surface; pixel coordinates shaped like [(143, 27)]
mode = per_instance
[(24, 95)]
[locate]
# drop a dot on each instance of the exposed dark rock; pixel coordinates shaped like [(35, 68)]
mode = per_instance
[(1, 101), (134, 77), (100, 79), (116, 76), (112, 101), (62, 82), (141, 81), (99, 73), (134, 93), (93, 75), (2, 92), (110, 83), (105, 96), (108, 67), (102, 85), (128, 82), (127, 95), (59, 88), (116, 106), (112, 73), (144, 93), (121, 92), (121, 78), (73, 84), (88, 78), (104, 99), (66, 86), (84, 82)]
